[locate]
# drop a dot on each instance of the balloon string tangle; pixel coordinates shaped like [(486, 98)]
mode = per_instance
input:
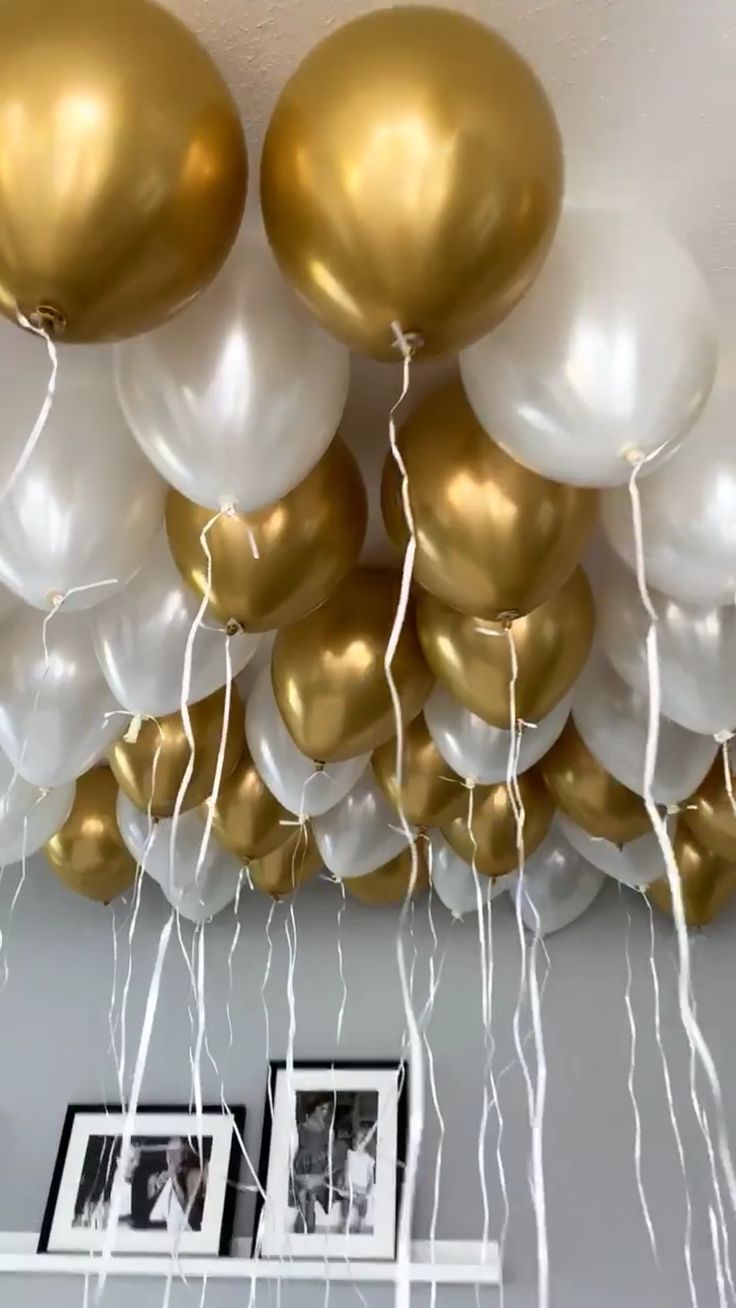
[(687, 1248), (44, 411), (416, 1059), (632, 1092), (536, 1096), (696, 1039)]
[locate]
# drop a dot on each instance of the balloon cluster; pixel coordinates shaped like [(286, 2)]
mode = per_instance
[(198, 675)]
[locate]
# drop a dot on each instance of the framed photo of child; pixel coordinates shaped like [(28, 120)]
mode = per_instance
[(332, 1155)]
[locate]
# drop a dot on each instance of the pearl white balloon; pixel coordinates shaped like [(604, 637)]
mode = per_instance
[(611, 353), (87, 504), (696, 647), (197, 895), (290, 775), (141, 635), (9, 604), (361, 833), (636, 864), (237, 398), (557, 886), (460, 888), (29, 816), (479, 751), (688, 513), (613, 722), (54, 721)]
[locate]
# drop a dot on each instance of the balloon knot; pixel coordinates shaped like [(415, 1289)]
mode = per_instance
[(508, 618), (723, 737), (47, 320), (55, 599), (672, 809), (634, 457), (407, 343), (134, 729), (232, 627), (319, 766)]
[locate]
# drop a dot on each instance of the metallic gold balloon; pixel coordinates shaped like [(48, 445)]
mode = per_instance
[(493, 538), (122, 166), (247, 819), (328, 669), (472, 656), (709, 813), (273, 566), (708, 882), (431, 793), (88, 853), (490, 843), (391, 883), (151, 768), (589, 795), (411, 173), (280, 873)]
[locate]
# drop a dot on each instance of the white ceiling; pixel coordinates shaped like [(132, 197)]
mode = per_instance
[(645, 93)]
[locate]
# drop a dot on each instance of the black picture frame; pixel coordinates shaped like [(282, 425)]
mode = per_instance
[(328, 1065), (236, 1115)]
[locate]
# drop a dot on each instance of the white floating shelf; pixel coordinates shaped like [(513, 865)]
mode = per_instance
[(454, 1262)]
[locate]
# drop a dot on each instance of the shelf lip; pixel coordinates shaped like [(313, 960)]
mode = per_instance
[(444, 1270)]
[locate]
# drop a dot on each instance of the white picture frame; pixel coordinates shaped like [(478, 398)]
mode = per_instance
[(332, 1156), (167, 1203)]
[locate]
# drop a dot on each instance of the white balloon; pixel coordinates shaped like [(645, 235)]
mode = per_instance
[(29, 816), (197, 895), (9, 604), (696, 647), (635, 864), (237, 398), (613, 722), (689, 513), (479, 751), (141, 636), (361, 833), (54, 721), (87, 504), (460, 888), (557, 886), (290, 775), (611, 354)]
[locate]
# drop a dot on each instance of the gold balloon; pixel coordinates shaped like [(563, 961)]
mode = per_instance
[(708, 882), (490, 842), (589, 795), (247, 819), (412, 173), (150, 769), (88, 853), (431, 793), (493, 538), (391, 883), (328, 669), (273, 566), (709, 813), (280, 873), (123, 168), (472, 656)]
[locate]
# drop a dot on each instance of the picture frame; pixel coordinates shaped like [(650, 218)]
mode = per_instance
[(169, 1203), (332, 1159)]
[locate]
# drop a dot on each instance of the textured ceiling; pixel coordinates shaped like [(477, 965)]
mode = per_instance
[(645, 92)]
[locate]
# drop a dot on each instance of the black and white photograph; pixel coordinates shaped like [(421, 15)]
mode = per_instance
[(332, 1147), (167, 1183)]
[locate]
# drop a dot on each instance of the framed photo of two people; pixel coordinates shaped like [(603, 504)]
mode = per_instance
[(332, 1156)]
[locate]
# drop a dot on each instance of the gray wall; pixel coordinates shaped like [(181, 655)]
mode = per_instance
[(54, 1038)]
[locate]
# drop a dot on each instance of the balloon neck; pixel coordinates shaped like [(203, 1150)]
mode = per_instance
[(408, 344), (47, 319), (233, 627), (319, 766), (508, 619)]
